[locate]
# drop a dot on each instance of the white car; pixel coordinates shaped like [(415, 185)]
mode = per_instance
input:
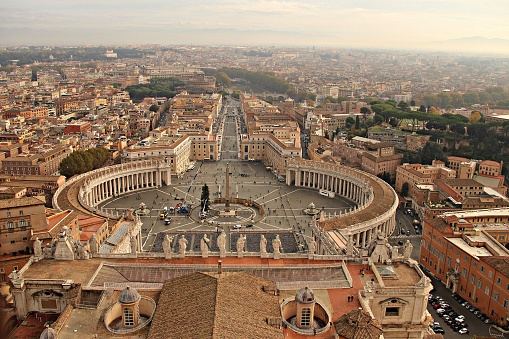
[(460, 318), (237, 226), (463, 331)]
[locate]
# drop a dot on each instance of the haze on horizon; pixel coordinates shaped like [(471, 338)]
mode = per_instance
[(399, 24)]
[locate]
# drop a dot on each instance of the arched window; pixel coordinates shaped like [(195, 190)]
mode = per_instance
[(22, 223), (128, 317), (306, 317), (10, 225)]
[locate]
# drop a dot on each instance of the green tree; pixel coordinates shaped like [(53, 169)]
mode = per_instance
[(432, 151), (422, 109), (404, 189), (205, 197), (223, 79), (349, 122), (153, 108)]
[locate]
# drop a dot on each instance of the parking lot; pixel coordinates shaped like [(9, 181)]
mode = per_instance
[(474, 324)]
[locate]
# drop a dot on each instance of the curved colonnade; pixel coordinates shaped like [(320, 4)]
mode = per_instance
[(86, 191), (376, 200)]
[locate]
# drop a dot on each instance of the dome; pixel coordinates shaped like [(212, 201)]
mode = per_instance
[(311, 205), (128, 296), (305, 296), (48, 333)]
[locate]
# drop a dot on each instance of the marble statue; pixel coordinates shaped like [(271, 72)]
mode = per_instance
[(241, 242), (134, 244), (312, 246), (204, 245), (407, 249), (182, 245), (94, 244), (221, 244), (37, 247), (276, 245), (167, 245), (263, 245)]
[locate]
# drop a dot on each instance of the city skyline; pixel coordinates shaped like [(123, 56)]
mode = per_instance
[(464, 25)]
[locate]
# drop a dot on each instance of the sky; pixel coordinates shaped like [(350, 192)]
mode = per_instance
[(369, 23)]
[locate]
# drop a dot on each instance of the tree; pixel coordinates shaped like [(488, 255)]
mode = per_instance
[(412, 103), (205, 197), (153, 108), (378, 119), (349, 122), (475, 117), (404, 189), (404, 106), (357, 122), (422, 109), (223, 79), (432, 151), (433, 110)]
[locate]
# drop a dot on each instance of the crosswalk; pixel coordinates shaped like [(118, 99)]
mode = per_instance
[(412, 236)]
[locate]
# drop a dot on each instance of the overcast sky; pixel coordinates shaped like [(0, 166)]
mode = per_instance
[(333, 22)]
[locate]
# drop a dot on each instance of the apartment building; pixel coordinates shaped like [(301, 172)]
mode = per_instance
[(466, 251), (46, 162), (19, 218)]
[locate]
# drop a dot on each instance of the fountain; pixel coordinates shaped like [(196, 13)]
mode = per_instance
[(142, 210), (311, 210)]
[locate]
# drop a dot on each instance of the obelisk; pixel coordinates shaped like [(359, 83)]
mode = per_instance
[(227, 202)]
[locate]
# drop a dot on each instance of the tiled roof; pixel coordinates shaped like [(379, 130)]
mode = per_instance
[(437, 223), (211, 305), (357, 324), (27, 201), (501, 264)]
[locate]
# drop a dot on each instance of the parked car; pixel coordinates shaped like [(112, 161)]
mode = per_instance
[(463, 331), (439, 330), (460, 318)]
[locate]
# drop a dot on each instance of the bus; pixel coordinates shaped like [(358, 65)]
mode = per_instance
[(326, 193)]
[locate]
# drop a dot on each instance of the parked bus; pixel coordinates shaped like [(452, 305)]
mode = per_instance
[(327, 193)]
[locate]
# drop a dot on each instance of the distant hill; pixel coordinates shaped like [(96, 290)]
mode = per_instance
[(474, 44)]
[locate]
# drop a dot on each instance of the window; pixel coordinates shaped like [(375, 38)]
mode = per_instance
[(305, 319), (10, 225), (495, 296), (479, 283), (128, 317), (506, 303), (487, 290), (499, 280), (20, 212), (482, 268), (392, 312), (22, 223), (464, 272), (472, 279), (490, 274), (448, 261), (8, 214)]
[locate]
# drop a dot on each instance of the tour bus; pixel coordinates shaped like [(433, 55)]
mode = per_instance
[(326, 193)]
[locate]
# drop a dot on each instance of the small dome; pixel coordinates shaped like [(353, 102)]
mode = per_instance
[(48, 333), (305, 296), (128, 296), (311, 205)]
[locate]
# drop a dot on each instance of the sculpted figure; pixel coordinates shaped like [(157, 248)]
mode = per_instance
[(94, 245), (134, 244), (276, 244), (312, 246), (167, 244), (221, 244), (407, 249), (263, 244), (182, 245), (241, 241), (204, 244)]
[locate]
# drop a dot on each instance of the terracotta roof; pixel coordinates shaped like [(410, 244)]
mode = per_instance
[(463, 182), (357, 324), (437, 223), (211, 305), (501, 264), (19, 202)]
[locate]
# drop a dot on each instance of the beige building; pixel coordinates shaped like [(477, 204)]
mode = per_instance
[(19, 218), (421, 174)]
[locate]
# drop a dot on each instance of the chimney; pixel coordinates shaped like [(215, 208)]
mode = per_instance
[(219, 268)]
